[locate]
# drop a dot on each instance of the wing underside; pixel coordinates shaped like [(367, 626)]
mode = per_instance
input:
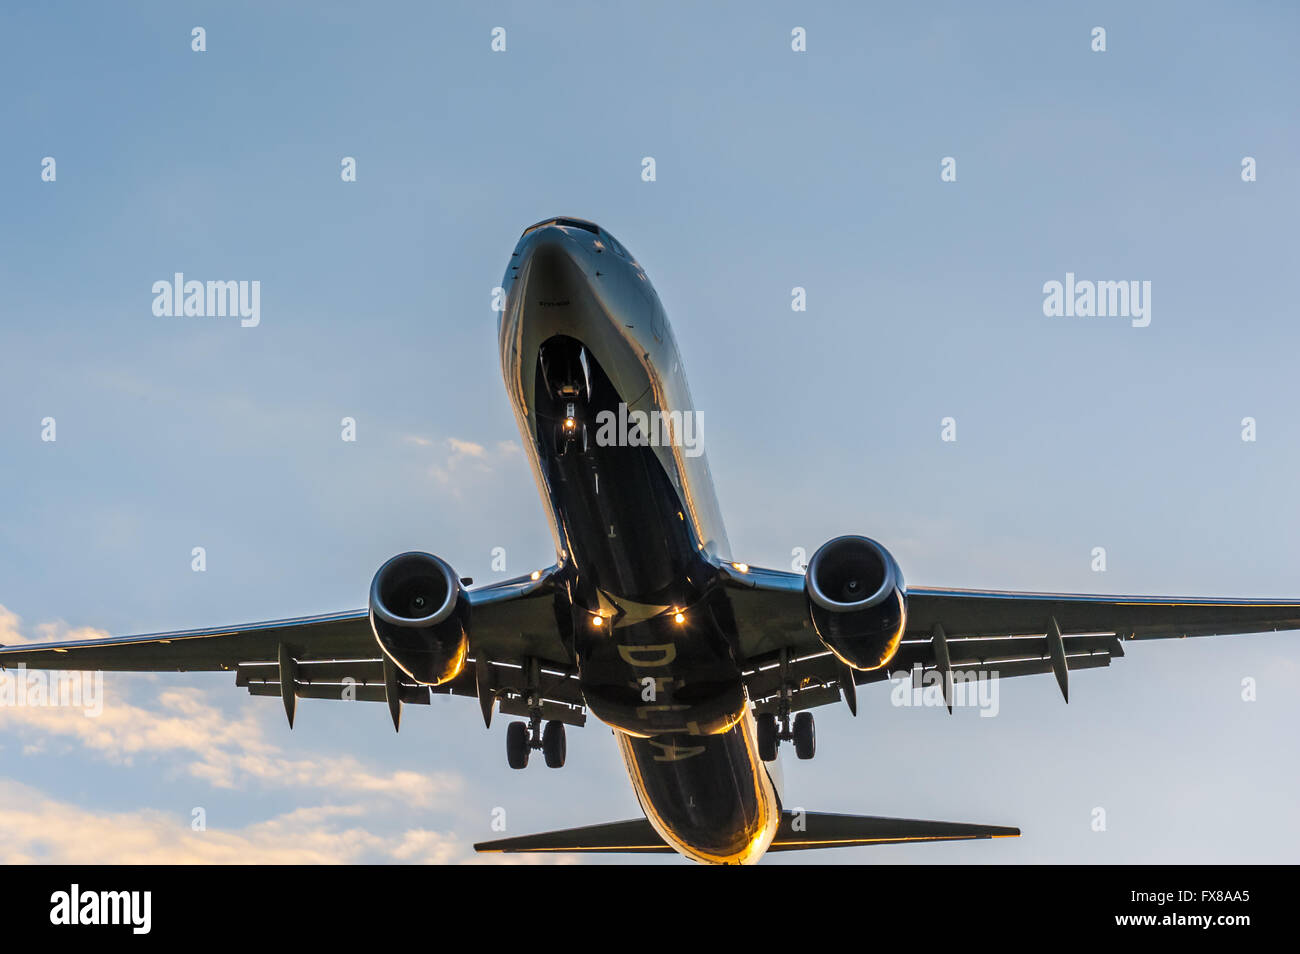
[(970, 633), (967, 632), (336, 656)]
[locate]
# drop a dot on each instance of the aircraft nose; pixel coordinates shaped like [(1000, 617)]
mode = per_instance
[(577, 239), (547, 245), (552, 267)]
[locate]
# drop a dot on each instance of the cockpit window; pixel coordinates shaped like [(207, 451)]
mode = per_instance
[(575, 224), (566, 223)]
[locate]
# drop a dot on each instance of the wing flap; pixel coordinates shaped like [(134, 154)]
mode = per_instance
[(417, 695), (360, 671), (988, 651)]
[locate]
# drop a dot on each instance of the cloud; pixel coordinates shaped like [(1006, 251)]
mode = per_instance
[(182, 723), (466, 448), (422, 846), (181, 729), (469, 462), (9, 632), (35, 828)]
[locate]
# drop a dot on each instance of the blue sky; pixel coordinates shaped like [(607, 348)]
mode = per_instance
[(775, 169)]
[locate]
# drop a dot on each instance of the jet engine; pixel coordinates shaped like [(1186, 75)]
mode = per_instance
[(857, 601), (420, 616)]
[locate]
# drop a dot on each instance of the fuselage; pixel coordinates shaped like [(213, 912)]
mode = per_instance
[(600, 396)]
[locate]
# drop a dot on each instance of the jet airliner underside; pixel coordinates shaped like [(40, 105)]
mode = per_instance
[(701, 664)]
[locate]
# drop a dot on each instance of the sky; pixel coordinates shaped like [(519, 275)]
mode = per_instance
[(774, 169)]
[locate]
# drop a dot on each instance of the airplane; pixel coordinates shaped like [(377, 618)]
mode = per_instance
[(701, 664)]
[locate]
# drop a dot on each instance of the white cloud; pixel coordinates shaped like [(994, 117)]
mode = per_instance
[(469, 462), (465, 448), (176, 728), (35, 828), (183, 724), (9, 632)]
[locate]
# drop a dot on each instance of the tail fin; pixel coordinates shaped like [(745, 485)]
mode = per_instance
[(797, 831)]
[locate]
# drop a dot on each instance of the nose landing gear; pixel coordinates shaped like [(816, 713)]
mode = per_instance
[(564, 368), (571, 430)]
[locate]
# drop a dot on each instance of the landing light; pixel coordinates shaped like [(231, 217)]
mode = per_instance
[(679, 618), (596, 621), (740, 567), (535, 575), (570, 423)]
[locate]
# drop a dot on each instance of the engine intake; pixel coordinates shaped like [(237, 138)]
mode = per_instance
[(420, 616), (856, 600)]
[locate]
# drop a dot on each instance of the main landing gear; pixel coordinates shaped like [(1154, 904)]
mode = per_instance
[(523, 737), (773, 727), (771, 733)]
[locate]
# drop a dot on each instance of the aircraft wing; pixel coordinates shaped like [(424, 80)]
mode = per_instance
[(335, 656), (973, 632)]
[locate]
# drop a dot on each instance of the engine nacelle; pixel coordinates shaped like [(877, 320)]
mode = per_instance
[(420, 616), (857, 602)]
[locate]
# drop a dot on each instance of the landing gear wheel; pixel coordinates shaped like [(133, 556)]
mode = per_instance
[(517, 746), (805, 736), (553, 745), (768, 737)]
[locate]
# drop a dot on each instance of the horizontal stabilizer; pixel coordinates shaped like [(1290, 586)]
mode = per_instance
[(797, 831), (823, 830), (636, 835)]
